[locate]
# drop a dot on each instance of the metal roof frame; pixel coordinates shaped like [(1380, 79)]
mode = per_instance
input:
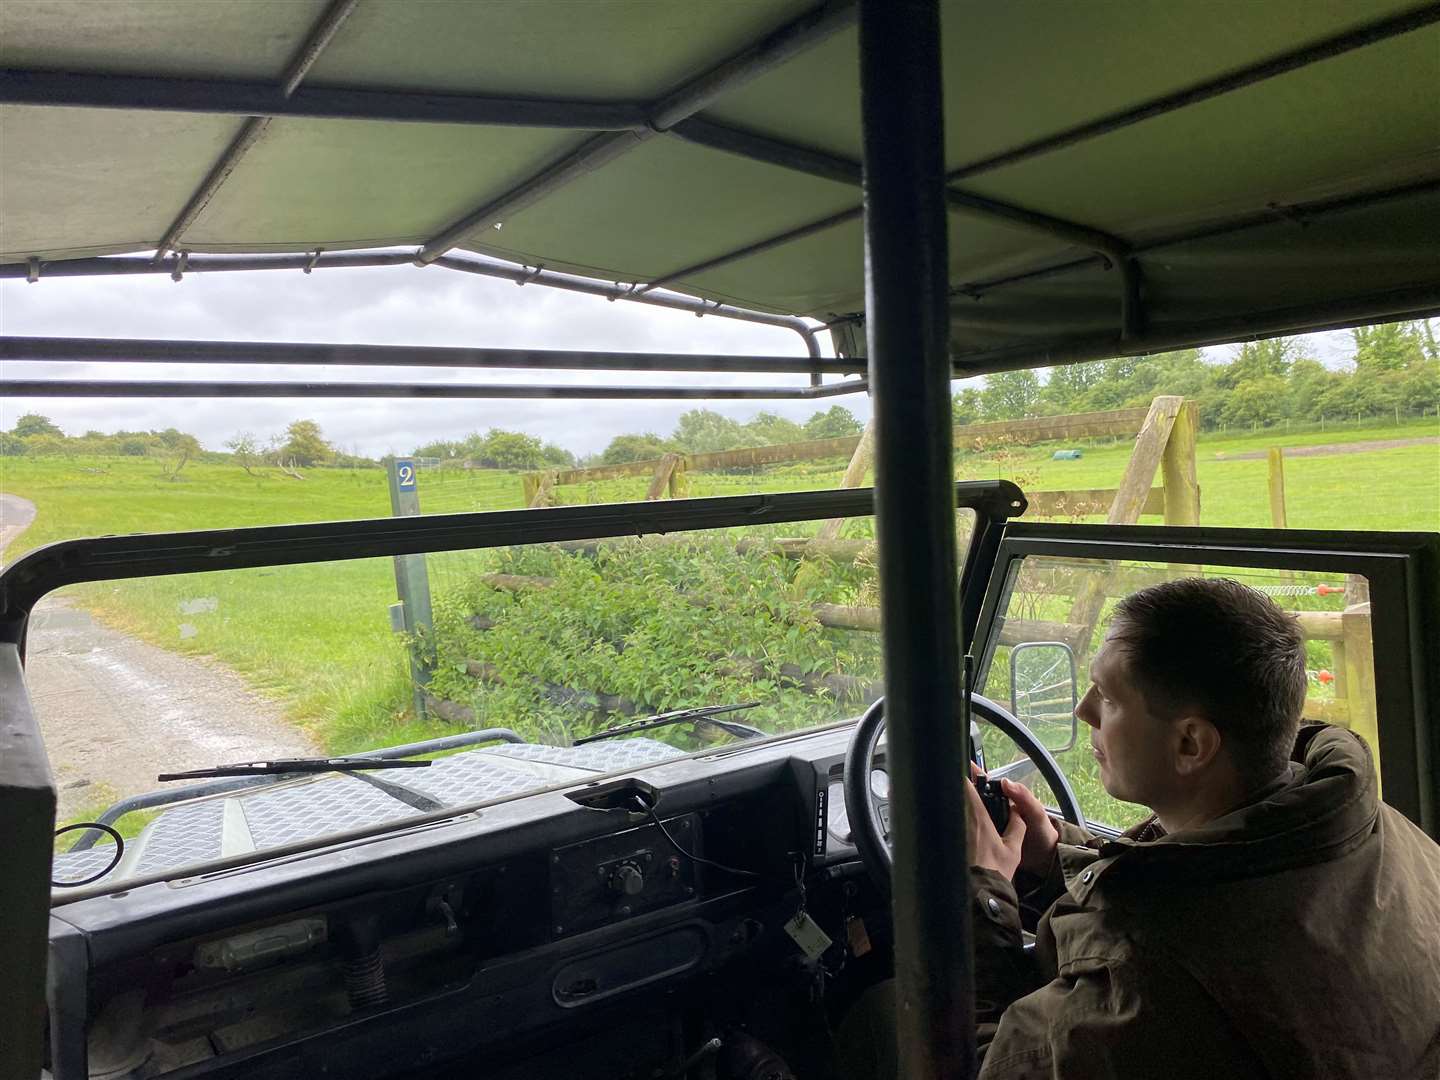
[(678, 113)]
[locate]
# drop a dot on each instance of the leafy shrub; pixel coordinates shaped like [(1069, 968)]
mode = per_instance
[(645, 626)]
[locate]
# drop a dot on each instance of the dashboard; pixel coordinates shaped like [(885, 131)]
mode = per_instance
[(839, 836), (528, 919)]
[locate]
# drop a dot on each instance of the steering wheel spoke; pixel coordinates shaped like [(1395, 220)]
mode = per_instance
[(872, 835)]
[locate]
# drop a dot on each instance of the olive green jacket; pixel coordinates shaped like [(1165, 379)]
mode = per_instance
[(1298, 936)]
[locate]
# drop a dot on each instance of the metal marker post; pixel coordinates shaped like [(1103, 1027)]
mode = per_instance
[(412, 583)]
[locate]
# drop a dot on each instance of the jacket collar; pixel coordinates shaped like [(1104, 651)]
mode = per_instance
[(1324, 804)]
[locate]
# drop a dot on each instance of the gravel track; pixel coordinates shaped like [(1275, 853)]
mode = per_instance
[(115, 711), (1334, 448)]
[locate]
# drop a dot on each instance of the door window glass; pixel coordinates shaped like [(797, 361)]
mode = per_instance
[(1053, 618)]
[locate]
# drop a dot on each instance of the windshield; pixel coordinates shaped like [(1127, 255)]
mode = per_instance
[(494, 663)]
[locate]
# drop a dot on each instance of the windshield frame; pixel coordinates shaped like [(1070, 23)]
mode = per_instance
[(29, 579)]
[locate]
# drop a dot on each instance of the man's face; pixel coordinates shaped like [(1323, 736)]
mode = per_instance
[(1132, 745)]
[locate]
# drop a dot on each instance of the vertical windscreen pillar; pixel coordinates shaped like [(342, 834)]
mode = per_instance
[(907, 323)]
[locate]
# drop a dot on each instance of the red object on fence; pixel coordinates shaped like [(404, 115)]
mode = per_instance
[(1326, 590), (1324, 677)]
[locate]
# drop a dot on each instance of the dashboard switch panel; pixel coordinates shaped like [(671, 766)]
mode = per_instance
[(605, 880)]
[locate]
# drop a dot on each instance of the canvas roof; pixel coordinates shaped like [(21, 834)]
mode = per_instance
[(1250, 166)]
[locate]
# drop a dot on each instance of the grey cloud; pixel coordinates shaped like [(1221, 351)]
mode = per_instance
[(400, 305)]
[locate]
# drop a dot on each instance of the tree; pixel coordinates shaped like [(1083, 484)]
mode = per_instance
[(12, 445), (557, 456), (510, 450), (1067, 390), (642, 447), (1387, 347), (965, 407), (246, 449), (703, 431), (1010, 395), (305, 445), (769, 429), (1259, 359), (442, 449), (1256, 401), (35, 424), (835, 422)]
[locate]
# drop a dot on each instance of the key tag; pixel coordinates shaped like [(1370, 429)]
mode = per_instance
[(804, 930), (857, 936), (806, 933)]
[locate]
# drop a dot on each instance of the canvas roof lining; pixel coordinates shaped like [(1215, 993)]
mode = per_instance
[(1362, 118)]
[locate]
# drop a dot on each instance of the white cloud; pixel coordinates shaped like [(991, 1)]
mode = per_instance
[(399, 305)]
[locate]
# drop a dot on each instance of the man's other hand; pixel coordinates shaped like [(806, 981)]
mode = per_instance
[(1040, 837), (989, 849)]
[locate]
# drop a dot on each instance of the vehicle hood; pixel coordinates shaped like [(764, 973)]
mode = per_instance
[(278, 812)]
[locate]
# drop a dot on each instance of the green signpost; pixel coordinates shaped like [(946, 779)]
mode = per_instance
[(412, 583)]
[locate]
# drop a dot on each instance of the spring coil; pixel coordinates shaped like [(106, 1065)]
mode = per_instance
[(365, 981)]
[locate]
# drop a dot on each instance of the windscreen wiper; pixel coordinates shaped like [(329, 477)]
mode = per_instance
[(282, 766), (680, 716)]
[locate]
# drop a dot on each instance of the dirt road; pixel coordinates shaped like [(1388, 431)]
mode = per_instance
[(15, 517), (115, 711), (1334, 448)]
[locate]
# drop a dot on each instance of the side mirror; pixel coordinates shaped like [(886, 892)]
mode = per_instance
[(1044, 692)]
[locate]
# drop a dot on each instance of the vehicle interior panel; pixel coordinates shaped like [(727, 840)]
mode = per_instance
[(922, 192)]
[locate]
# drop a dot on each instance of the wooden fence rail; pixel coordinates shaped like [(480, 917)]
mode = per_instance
[(1041, 429)]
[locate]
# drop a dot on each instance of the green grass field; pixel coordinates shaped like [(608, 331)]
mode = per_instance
[(317, 637)]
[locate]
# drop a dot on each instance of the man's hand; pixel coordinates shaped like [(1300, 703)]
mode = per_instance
[(989, 849), (1040, 837)]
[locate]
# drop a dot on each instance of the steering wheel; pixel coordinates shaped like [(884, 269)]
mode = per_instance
[(871, 833)]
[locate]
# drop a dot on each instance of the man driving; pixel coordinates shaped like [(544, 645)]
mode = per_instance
[(1272, 918)]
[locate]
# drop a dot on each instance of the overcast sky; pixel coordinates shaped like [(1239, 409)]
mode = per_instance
[(398, 305)]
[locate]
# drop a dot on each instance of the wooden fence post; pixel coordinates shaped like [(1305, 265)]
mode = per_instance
[(543, 491), (1276, 458), (679, 484), (853, 478), (1177, 467), (660, 482), (1360, 674), (1130, 498)]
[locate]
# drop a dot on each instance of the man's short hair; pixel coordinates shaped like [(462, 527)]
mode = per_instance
[(1226, 651)]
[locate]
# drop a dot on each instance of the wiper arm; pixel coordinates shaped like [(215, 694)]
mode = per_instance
[(283, 766), (680, 716)]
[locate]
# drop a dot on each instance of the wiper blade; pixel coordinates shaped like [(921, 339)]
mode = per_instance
[(283, 766), (680, 716)]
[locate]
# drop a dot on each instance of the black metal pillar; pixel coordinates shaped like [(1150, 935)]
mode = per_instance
[(906, 291)]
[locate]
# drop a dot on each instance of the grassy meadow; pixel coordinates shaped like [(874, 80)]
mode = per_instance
[(317, 637)]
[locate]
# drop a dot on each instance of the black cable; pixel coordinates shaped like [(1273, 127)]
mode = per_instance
[(119, 851), (647, 808)]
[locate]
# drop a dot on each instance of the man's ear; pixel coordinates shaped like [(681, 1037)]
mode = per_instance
[(1197, 744)]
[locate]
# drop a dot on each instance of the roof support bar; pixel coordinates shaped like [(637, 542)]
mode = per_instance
[(762, 148), (475, 264), (1337, 45), (124, 266), (906, 285), (137, 93), (1416, 303), (251, 130), (126, 350), (685, 100), (88, 388), (1304, 213)]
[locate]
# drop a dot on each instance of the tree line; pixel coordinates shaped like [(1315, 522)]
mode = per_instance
[(698, 431), (1396, 373)]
